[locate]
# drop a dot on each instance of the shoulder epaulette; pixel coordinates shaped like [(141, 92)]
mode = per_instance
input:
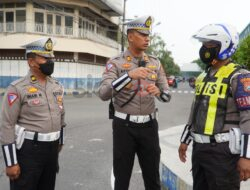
[(152, 56), (17, 81), (115, 57)]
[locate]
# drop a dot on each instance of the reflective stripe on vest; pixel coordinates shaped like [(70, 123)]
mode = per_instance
[(215, 91)]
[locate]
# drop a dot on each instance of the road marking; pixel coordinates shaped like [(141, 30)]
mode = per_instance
[(181, 92), (94, 140), (112, 179)]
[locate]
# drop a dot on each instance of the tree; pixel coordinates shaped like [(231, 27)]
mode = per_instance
[(200, 64), (158, 49), (242, 55)]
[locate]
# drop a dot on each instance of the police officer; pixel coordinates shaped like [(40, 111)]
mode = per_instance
[(220, 114), (33, 121), (134, 79)]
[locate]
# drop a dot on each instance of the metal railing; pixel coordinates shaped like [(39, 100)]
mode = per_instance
[(1, 27), (10, 27), (68, 31), (83, 33), (59, 30), (39, 28), (49, 29), (20, 26)]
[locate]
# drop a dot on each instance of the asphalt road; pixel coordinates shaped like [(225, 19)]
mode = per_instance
[(86, 159)]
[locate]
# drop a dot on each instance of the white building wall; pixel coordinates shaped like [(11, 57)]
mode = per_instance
[(71, 75)]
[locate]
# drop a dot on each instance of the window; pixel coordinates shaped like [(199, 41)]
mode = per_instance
[(20, 20), (39, 18), (9, 16), (58, 24), (58, 20), (39, 6), (20, 5), (1, 21), (80, 23), (9, 5), (68, 25), (39, 21), (1, 16), (69, 21), (20, 15), (49, 19), (9, 21), (49, 24), (68, 10)]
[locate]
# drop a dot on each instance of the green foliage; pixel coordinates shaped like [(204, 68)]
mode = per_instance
[(158, 49), (242, 55), (200, 64)]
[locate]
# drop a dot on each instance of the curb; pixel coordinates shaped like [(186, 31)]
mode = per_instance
[(175, 175), (66, 92), (170, 181)]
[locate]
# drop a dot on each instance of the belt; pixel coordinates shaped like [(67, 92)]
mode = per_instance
[(44, 137), (217, 138), (135, 118)]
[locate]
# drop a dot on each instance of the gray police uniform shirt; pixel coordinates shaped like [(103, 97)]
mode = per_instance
[(232, 113), (32, 106), (143, 103)]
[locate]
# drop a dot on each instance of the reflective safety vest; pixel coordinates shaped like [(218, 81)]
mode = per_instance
[(211, 94)]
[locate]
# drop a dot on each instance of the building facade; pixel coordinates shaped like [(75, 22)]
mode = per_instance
[(86, 32)]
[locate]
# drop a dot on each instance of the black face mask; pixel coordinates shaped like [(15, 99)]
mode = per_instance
[(47, 68), (207, 55)]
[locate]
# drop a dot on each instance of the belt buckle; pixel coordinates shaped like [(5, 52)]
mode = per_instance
[(212, 140), (140, 119)]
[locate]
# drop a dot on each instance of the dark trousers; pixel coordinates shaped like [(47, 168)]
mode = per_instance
[(38, 163), (141, 139), (214, 167)]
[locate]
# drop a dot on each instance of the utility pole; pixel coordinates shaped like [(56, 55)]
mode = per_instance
[(123, 20)]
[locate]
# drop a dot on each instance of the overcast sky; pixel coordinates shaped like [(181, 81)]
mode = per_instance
[(180, 19)]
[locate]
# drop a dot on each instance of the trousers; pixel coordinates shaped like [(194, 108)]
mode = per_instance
[(136, 138), (38, 162), (214, 167)]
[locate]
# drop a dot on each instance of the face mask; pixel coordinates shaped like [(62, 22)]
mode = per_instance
[(207, 55), (47, 68)]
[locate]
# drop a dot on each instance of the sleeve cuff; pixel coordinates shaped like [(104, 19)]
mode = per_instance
[(61, 139), (245, 146), (121, 82), (186, 136), (9, 153), (164, 96)]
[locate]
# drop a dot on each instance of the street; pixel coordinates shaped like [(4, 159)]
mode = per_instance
[(86, 158)]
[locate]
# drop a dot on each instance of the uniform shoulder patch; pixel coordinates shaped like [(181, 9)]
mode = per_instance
[(242, 94), (109, 66), (12, 97)]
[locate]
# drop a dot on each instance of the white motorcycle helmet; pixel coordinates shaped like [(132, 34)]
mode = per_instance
[(226, 35)]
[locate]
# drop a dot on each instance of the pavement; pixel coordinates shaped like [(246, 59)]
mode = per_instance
[(175, 174)]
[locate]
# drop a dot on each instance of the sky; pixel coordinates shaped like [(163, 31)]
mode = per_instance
[(180, 19)]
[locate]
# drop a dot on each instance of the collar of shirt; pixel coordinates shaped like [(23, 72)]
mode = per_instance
[(130, 58), (30, 77)]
